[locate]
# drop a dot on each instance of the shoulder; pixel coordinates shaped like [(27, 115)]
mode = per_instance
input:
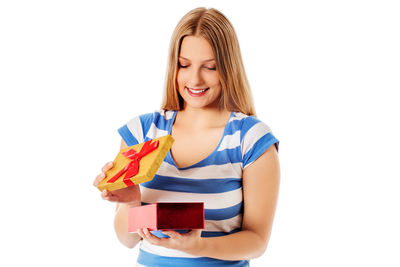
[(166, 114), (146, 126), (248, 124), (255, 136), (146, 119)]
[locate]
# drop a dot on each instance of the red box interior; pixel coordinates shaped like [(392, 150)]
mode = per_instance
[(180, 215)]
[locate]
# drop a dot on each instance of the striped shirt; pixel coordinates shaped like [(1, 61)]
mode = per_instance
[(215, 180)]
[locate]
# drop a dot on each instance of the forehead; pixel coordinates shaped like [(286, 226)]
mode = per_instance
[(196, 48)]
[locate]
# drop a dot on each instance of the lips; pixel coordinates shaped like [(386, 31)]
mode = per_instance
[(197, 92)]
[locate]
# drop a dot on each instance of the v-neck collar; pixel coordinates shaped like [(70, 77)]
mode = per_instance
[(169, 155)]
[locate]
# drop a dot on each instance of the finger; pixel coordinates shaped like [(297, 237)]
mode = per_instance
[(150, 237), (112, 198), (105, 194), (195, 232), (171, 234), (140, 233), (108, 166), (99, 177), (146, 233)]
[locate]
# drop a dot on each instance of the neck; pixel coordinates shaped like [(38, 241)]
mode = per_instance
[(203, 117)]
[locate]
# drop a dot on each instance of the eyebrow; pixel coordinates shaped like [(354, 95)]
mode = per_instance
[(211, 59)]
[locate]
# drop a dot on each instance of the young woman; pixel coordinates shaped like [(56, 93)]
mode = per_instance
[(222, 155)]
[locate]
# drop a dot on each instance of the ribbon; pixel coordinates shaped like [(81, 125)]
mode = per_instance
[(132, 168)]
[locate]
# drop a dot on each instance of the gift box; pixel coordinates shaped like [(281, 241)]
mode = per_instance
[(136, 164), (167, 216)]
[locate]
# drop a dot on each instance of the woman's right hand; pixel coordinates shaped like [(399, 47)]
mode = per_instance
[(129, 195)]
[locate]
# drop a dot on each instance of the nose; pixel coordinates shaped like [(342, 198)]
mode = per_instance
[(196, 78)]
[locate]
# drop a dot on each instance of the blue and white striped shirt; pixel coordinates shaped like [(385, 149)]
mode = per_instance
[(215, 180)]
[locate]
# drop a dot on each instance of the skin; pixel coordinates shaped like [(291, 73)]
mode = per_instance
[(261, 179)]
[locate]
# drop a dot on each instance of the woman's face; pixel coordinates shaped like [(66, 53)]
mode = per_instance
[(197, 78)]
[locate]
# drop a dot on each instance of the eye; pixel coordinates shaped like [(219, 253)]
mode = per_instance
[(181, 66), (212, 68)]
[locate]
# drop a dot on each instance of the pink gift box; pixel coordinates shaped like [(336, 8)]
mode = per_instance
[(167, 216)]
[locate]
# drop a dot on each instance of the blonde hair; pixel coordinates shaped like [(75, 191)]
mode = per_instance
[(218, 31)]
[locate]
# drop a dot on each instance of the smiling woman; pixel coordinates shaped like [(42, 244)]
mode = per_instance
[(198, 80), (222, 156), (217, 48)]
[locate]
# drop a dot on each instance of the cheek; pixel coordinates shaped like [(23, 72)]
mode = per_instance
[(181, 77), (212, 80)]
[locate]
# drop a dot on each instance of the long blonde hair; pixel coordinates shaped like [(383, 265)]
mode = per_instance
[(218, 31)]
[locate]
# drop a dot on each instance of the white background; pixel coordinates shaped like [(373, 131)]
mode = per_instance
[(324, 76)]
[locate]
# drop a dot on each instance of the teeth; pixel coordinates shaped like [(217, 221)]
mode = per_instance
[(197, 91)]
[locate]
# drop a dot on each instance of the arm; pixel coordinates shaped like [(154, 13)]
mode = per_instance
[(260, 190), (130, 240), (121, 220)]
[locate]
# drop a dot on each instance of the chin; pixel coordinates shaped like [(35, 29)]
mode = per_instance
[(200, 103), (195, 105)]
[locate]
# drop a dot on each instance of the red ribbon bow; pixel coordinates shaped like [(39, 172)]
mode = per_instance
[(132, 168)]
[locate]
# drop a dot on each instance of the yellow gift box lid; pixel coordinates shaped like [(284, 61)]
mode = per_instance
[(148, 164)]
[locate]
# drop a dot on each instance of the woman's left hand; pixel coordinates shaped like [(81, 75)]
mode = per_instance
[(188, 242)]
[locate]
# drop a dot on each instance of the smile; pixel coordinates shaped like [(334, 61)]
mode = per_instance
[(196, 92)]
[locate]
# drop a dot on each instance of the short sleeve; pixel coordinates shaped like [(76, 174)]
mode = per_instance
[(134, 131), (257, 138)]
